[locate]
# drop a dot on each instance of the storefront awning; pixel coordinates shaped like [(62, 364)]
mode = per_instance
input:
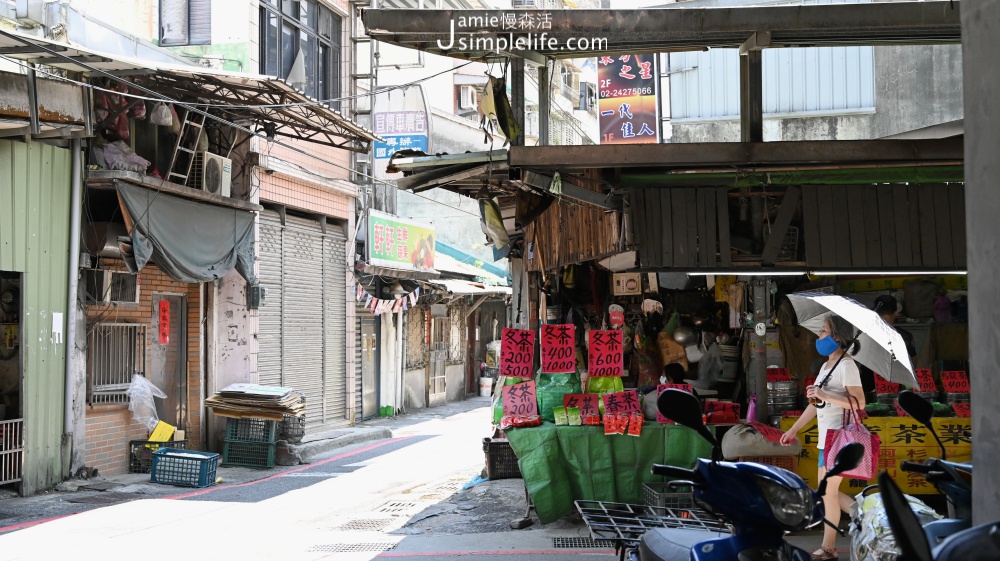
[(188, 240), (248, 96), (469, 288)]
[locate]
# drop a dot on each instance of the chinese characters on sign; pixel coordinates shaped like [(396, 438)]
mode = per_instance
[(164, 328), (586, 402), (955, 381), (621, 402), (778, 375), (399, 243), (401, 130), (605, 357), (627, 90), (925, 379), (558, 348), (519, 399), (517, 352)]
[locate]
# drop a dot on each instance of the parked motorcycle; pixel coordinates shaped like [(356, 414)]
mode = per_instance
[(952, 479), (980, 543), (760, 502)]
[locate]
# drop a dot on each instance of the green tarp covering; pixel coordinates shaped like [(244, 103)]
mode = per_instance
[(566, 463)]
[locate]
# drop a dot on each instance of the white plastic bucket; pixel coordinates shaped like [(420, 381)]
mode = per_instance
[(485, 386)]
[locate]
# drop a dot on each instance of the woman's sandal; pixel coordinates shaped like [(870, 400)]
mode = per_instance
[(825, 554)]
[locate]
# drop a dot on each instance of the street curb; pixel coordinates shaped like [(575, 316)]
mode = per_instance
[(307, 451)]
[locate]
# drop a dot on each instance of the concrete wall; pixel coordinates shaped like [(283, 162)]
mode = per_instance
[(415, 390), (915, 87), (980, 27), (454, 382)]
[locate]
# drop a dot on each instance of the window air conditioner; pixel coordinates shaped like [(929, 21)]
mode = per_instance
[(468, 98), (212, 173), (107, 287)]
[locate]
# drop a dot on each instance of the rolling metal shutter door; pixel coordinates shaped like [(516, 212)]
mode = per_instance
[(303, 338), (270, 256), (357, 359), (335, 315)]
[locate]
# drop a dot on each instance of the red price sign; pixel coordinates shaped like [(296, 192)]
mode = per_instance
[(588, 403), (164, 328), (962, 409), (769, 433), (519, 399), (925, 379), (621, 402), (900, 412), (955, 381), (605, 353), (883, 386), (778, 375), (722, 411), (659, 389), (517, 352), (792, 414), (558, 350)]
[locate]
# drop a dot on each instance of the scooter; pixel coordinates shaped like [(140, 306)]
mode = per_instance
[(980, 543), (760, 502), (952, 479)]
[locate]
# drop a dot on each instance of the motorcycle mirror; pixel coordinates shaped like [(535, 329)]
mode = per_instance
[(848, 458), (684, 409), (916, 407), (909, 534)]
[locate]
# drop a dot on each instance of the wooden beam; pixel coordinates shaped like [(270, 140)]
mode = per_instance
[(789, 205)]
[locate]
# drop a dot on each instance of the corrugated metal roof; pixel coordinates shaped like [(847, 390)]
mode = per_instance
[(469, 288)]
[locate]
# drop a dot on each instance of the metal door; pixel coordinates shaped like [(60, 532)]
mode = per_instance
[(369, 368), (168, 357), (436, 386)]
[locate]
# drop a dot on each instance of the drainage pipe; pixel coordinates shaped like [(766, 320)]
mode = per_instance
[(76, 190)]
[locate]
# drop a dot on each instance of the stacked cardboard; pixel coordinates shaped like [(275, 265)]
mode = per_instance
[(257, 402)]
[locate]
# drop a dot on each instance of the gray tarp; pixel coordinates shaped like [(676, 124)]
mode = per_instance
[(188, 240)]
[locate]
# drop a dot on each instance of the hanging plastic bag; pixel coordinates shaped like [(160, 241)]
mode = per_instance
[(160, 115), (140, 401)]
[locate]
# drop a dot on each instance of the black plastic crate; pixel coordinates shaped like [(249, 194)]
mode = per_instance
[(501, 463), (251, 430), (292, 429), (140, 453), (660, 495), (187, 468), (248, 454)]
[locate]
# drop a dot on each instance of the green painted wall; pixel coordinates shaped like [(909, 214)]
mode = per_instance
[(34, 241)]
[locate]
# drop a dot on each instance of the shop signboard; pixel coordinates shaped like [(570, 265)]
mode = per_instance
[(520, 399), (517, 352), (955, 381), (628, 104), (605, 353), (558, 348), (400, 119), (400, 243)]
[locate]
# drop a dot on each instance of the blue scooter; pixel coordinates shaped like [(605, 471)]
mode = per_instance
[(760, 502)]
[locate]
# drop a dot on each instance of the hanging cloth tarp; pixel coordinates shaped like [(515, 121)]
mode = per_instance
[(188, 240)]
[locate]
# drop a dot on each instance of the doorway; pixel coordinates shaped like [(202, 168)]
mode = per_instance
[(11, 377), (369, 367), (169, 358)]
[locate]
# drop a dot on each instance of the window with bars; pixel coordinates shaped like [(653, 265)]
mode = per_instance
[(115, 351), (300, 43)]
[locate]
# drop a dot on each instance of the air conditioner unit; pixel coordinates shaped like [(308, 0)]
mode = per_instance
[(524, 3), (467, 99), (107, 287), (212, 173)]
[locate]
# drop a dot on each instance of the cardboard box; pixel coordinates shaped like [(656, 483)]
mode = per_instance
[(162, 432)]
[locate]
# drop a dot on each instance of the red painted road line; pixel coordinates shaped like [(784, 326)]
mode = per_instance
[(502, 552), (22, 525)]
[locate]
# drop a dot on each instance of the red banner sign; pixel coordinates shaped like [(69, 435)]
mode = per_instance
[(519, 399), (955, 381), (883, 386), (621, 402), (721, 412), (558, 348), (659, 389), (962, 409), (778, 375), (164, 329), (517, 352), (588, 403), (605, 353), (925, 379)]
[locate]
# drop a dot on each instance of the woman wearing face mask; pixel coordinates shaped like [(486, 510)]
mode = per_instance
[(837, 380)]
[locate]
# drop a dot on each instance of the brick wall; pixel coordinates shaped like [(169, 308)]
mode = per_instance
[(110, 427)]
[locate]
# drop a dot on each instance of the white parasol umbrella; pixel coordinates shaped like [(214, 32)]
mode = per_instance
[(882, 347)]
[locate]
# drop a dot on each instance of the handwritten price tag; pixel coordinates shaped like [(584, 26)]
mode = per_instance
[(955, 381), (883, 386), (605, 353), (588, 403), (778, 375), (926, 380), (520, 399), (722, 411), (517, 352), (558, 351), (659, 389), (621, 402), (962, 409), (769, 433)]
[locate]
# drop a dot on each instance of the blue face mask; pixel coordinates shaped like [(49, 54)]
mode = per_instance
[(826, 346)]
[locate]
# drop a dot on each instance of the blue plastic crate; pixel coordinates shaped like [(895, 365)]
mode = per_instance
[(187, 468)]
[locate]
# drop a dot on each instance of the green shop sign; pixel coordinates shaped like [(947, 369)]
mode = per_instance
[(399, 243)]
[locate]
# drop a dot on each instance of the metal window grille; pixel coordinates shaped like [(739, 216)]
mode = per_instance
[(115, 352), (11, 450)]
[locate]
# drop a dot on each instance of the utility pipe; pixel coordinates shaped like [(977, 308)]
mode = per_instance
[(76, 188)]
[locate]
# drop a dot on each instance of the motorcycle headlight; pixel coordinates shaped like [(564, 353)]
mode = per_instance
[(792, 508)]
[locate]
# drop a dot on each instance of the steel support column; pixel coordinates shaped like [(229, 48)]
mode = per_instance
[(517, 97), (544, 105), (752, 87)]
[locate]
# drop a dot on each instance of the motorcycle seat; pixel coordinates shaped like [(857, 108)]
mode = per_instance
[(670, 544)]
